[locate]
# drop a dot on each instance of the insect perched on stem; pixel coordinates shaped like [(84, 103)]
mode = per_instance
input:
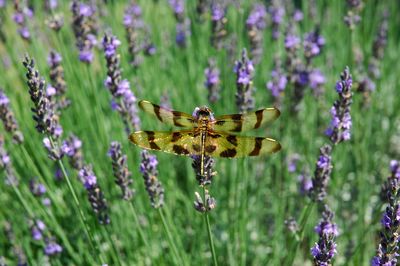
[(206, 135)]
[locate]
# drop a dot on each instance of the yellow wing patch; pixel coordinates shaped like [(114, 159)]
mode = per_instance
[(246, 121), (170, 117)]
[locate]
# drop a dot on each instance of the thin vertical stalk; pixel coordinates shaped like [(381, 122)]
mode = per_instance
[(82, 216), (170, 239), (210, 239), (139, 227), (116, 253)]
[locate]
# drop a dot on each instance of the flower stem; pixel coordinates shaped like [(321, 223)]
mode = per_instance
[(139, 227), (210, 239), (82, 216), (298, 237), (170, 239)]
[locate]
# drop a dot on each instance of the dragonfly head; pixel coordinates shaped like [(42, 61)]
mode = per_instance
[(202, 113)]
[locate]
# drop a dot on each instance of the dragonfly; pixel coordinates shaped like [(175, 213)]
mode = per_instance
[(206, 135)]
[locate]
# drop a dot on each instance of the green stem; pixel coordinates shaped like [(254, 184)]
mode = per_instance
[(170, 239), (298, 238), (139, 227), (116, 253), (82, 217), (210, 239)]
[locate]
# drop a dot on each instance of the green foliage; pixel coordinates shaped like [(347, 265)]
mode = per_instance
[(254, 195)]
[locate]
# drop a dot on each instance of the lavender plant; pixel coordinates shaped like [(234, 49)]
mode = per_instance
[(85, 29), (21, 16), (278, 82), (256, 23), (120, 170), (387, 251), (148, 168), (218, 24), (244, 83), (123, 101), (95, 195), (8, 118), (324, 250), (137, 34), (340, 128), (212, 82), (277, 12), (5, 164)]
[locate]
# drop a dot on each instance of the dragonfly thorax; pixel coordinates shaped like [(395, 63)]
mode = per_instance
[(203, 114)]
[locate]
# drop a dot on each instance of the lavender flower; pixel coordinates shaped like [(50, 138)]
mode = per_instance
[(55, 22), (124, 101), (182, 32), (72, 148), (37, 229), (5, 164), (297, 15), (202, 206), (137, 34), (380, 41), (96, 197), (178, 6), (52, 248), (208, 171), (21, 16), (37, 189), (325, 249), (8, 118), (44, 115), (278, 81), (352, 17), (322, 174), (277, 13), (340, 128), (218, 24), (120, 170), (58, 85), (305, 183), (313, 44), (316, 81), (292, 161), (148, 168), (85, 29), (256, 23), (212, 82), (387, 251), (244, 79)]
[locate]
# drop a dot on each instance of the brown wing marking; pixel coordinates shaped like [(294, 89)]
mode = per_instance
[(247, 121), (231, 146), (178, 142), (170, 117)]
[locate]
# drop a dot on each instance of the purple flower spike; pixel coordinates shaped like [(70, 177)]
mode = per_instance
[(7, 117), (212, 81), (87, 177), (244, 78), (278, 82), (52, 248), (95, 195), (340, 128), (388, 248), (153, 185), (120, 170), (325, 249)]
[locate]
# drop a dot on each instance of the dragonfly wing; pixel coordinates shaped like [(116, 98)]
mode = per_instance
[(170, 117), (177, 142), (246, 121), (219, 144)]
